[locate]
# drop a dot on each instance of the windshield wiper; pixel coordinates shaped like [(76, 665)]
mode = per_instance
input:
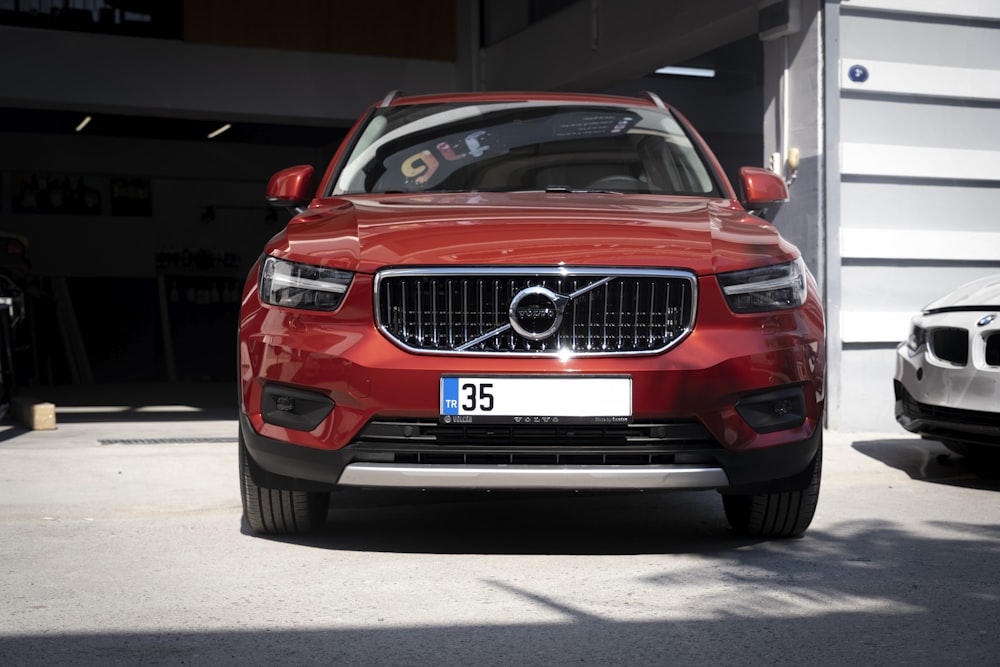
[(565, 189)]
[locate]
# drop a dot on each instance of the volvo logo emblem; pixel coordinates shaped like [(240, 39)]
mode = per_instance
[(986, 320), (537, 312)]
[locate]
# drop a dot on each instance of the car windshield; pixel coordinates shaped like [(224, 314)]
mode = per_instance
[(524, 146)]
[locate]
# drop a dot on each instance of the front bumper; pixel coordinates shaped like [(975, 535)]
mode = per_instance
[(948, 400), (724, 360), (683, 458), (696, 420), (946, 424)]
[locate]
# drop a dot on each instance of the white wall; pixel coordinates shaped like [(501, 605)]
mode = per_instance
[(916, 164)]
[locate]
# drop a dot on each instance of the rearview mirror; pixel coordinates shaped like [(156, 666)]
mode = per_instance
[(761, 189), (292, 187)]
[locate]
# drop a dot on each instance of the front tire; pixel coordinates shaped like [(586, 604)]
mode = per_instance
[(777, 514), (279, 511)]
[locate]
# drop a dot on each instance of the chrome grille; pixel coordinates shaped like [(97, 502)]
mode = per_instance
[(583, 311)]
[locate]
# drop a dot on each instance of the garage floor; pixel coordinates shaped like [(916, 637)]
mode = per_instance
[(131, 402), (121, 542)]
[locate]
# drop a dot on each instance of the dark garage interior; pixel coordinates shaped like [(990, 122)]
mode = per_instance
[(130, 231)]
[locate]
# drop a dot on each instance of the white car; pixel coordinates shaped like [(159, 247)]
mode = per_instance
[(947, 380)]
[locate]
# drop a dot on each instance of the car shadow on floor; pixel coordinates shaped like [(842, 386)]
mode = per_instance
[(524, 523), (930, 461)]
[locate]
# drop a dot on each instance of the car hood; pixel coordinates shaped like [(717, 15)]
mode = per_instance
[(976, 295), (367, 233)]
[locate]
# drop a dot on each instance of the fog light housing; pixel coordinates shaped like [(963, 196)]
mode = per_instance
[(776, 410), (294, 408)]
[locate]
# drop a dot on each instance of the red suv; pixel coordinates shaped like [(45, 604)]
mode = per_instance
[(529, 291)]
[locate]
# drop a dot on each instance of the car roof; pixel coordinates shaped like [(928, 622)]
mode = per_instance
[(396, 98)]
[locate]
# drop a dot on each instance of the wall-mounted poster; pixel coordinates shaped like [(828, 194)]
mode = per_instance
[(131, 196), (57, 194)]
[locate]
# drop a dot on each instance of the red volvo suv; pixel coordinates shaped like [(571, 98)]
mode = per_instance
[(529, 291)]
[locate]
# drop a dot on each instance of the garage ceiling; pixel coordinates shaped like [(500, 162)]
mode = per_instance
[(392, 28), (60, 122)]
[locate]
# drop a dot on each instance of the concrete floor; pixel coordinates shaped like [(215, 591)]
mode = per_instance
[(121, 542)]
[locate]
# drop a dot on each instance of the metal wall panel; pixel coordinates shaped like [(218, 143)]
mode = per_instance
[(882, 288), (919, 171), (879, 300), (919, 207), (955, 8), (912, 122), (919, 40), (867, 404)]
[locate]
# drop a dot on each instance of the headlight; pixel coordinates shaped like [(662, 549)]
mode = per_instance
[(917, 338), (766, 288), (295, 285)]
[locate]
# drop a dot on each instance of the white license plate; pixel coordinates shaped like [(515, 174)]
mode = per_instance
[(536, 400)]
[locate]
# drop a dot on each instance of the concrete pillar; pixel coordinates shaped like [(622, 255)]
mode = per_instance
[(793, 123)]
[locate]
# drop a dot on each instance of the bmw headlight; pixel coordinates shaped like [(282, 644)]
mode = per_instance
[(917, 338), (295, 285), (766, 288)]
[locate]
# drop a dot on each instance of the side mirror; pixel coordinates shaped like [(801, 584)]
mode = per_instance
[(292, 187), (761, 189)]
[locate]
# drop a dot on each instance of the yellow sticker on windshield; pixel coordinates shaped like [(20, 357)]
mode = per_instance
[(420, 166)]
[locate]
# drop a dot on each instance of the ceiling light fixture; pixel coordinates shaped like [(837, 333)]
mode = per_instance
[(701, 72), (214, 133), (83, 123)]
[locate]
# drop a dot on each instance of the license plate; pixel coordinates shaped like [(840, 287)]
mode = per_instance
[(536, 400)]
